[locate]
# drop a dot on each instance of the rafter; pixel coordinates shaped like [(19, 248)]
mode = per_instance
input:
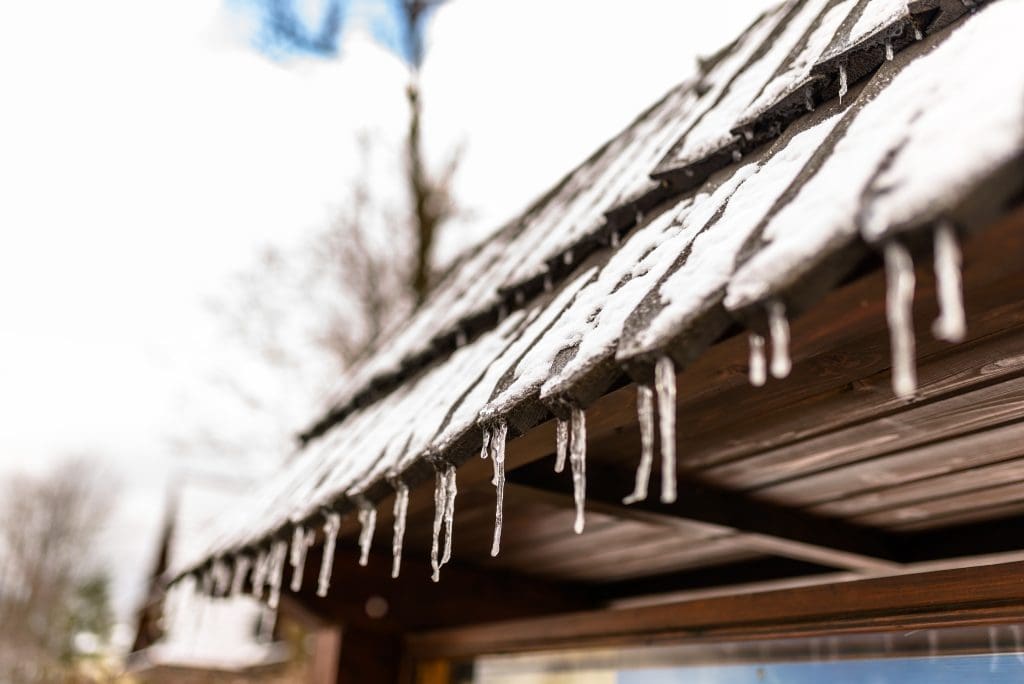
[(771, 528)]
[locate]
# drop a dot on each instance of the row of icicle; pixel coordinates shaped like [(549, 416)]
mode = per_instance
[(266, 570)]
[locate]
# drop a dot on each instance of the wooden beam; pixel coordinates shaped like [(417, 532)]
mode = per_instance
[(769, 527), (971, 596), (730, 574)]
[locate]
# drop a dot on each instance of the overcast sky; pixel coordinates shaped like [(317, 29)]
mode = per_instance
[(147, 152)]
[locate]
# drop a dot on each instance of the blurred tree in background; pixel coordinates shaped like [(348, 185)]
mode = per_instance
[(54, 600), (305, 312), (356, 284)]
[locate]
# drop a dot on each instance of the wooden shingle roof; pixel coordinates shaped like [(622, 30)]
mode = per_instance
[(830, 130)]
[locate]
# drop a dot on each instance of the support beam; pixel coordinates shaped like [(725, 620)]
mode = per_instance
[(772, 528), (971, 596), (731, 574)]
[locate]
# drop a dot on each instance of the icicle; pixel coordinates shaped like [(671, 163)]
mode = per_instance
[(665, 386), (331, 528), (221, 578), (368, 523), (450, 490), (485, 447), (400, 511), (561, 443), (613, 239), (578, 461), (638, 219), (737, 155), (242, 565), (748, 133), (301, 541), (993, 648), (498, 438), (809, 99), (951, 325), (758, 363), (933, 643), (567, 258), (548, 285), (460, 338), (259, 574), (439, 508), (645, 416), (888, 49), (842, 83), (899, 301), (1018, 647), (778, 325), (917, 32), (278, 555), (207, 584)]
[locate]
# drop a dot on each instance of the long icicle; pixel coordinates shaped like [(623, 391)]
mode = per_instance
[(301, 541), (899, 301), (439, 507), (561, 443), (331, 528), (665, 387), (242, 566), (758, 361), (778, 325), (951, 325), (401, 511), (645, 416), (259, 574), (450, 490), (578, 461), (498, 439), (843, 85), (278, 555), (368, 523), (221, 578)]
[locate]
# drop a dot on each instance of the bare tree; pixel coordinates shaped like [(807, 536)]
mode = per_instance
[(354, 287), (50, 587)]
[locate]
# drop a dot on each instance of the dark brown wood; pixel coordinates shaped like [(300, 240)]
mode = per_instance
[(742, 572), (367, 657), (845, 544), (464, 595), (969, 596)]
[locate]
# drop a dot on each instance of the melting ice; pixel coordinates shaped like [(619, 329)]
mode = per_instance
[(665, 387), (331, 528), (400, 511), (498, 439), (645, 417), (758, 363), (578, 461), (778, 325), (899, 300), (368, 523), (951, 325)]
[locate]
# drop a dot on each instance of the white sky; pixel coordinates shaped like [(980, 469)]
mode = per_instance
[(147, 153)]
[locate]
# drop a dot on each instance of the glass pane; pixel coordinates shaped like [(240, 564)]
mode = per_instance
[(990, 654)]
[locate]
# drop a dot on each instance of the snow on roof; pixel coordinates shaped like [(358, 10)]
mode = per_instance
[(829, 126)]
